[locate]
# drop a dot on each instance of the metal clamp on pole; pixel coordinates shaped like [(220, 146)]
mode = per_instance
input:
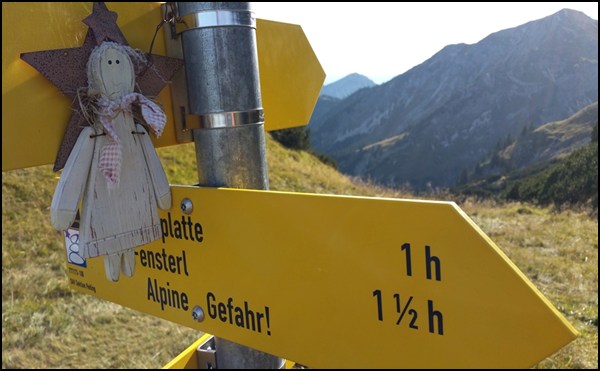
[(215, 18), (223, 88)]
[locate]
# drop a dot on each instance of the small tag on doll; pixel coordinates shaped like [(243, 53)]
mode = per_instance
[(72, 244)]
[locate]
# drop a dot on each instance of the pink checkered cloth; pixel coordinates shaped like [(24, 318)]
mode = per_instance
[(111, 157)]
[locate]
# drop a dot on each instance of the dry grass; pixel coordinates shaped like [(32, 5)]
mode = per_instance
[(46, 325), (558, 252)]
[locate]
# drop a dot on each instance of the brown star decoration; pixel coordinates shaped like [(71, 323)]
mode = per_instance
[(66, 68)]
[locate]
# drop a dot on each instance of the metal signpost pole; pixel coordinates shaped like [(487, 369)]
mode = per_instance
[(221, 63)]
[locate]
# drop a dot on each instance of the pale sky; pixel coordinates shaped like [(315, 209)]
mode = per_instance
[(384, 40)]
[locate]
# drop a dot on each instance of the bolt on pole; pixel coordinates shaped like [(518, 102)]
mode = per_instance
[(223, 86)]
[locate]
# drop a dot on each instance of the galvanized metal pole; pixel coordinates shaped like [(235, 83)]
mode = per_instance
[(221, 64)]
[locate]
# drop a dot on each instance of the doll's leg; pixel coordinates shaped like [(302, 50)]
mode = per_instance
[(112, 266), (128, 262)]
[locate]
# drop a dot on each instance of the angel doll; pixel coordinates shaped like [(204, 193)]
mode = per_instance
[(113, 169)]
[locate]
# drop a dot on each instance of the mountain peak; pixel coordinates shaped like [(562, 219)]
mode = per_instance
[(569, 14), (346, 86)]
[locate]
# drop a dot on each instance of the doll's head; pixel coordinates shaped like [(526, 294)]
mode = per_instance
[(110, 70)]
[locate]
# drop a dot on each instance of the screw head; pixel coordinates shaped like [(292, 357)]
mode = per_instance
[(198, 314), (187, 206)]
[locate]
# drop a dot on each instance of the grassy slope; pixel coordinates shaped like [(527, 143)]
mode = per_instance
[(45, 325)]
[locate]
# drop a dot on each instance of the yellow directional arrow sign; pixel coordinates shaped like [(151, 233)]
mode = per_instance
[(308, 277), (35, 113), (291, 76)]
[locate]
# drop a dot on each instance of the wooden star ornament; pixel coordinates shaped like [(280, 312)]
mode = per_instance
[(98, 21), (66, 68)]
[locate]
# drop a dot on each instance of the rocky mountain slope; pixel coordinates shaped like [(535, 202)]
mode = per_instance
[(424, 127)]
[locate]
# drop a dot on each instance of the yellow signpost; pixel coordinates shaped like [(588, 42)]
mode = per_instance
[(333, 281), (35, 113)]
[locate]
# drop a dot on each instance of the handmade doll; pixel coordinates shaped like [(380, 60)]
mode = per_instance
[(113, 166)]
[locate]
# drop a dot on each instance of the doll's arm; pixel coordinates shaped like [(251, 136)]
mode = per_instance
[(74, 176), (162, 191)]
